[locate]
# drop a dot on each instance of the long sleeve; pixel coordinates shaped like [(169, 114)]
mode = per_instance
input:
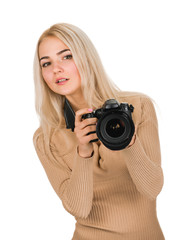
[(143, 158), (74, 187)]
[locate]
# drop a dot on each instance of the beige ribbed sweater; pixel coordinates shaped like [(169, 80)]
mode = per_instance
[(113, 193)]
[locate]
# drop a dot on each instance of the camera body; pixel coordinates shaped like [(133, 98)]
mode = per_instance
[(115, 127)]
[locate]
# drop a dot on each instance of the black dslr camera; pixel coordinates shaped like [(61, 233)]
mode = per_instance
[(115, 126)]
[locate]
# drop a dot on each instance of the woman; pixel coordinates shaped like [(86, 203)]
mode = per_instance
[(112, 194)]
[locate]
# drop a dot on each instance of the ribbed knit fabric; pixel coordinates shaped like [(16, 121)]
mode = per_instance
[(113, 193)]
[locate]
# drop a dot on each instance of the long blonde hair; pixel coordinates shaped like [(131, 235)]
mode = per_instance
[(96, 85)]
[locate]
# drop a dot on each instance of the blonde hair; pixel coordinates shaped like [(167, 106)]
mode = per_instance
[(96, 85)]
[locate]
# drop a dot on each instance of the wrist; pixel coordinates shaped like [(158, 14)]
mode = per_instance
[(85, 154)]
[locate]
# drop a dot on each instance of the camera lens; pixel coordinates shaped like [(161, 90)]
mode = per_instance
[(115, 128)]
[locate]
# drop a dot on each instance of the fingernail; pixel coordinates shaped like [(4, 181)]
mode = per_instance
[(90, 109)]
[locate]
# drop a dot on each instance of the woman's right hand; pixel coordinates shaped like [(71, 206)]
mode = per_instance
[(82, 128)]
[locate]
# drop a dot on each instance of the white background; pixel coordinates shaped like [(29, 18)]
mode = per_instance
[(138, 44)]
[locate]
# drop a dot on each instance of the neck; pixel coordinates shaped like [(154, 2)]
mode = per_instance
[(77, 102)]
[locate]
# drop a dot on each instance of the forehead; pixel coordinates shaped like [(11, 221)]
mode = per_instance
[(51, 45)]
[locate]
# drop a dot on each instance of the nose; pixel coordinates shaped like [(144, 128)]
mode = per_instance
[(57, 67)]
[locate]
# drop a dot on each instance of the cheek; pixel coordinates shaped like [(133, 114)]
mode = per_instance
[(46, 76), (75, 71)]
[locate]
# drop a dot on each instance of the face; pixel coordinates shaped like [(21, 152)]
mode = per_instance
[(58, 68)]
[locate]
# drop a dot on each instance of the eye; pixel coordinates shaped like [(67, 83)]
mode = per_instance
[(46, 64), (68, 56)]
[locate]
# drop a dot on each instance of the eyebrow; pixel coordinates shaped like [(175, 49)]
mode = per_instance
[(64, 50)]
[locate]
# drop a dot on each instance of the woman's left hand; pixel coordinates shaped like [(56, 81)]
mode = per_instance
[(133, 138), (132, 141)]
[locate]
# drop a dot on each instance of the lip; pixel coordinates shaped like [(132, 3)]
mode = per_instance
[(61, 79), (61, 83)]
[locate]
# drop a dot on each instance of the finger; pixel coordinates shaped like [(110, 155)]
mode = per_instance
[(132, 141), (86, 139), (79, 113), (88, 122), (90, 137), (87, 130)]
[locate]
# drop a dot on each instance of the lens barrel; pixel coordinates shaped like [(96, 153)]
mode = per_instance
[(115, 127), (115, 130)]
